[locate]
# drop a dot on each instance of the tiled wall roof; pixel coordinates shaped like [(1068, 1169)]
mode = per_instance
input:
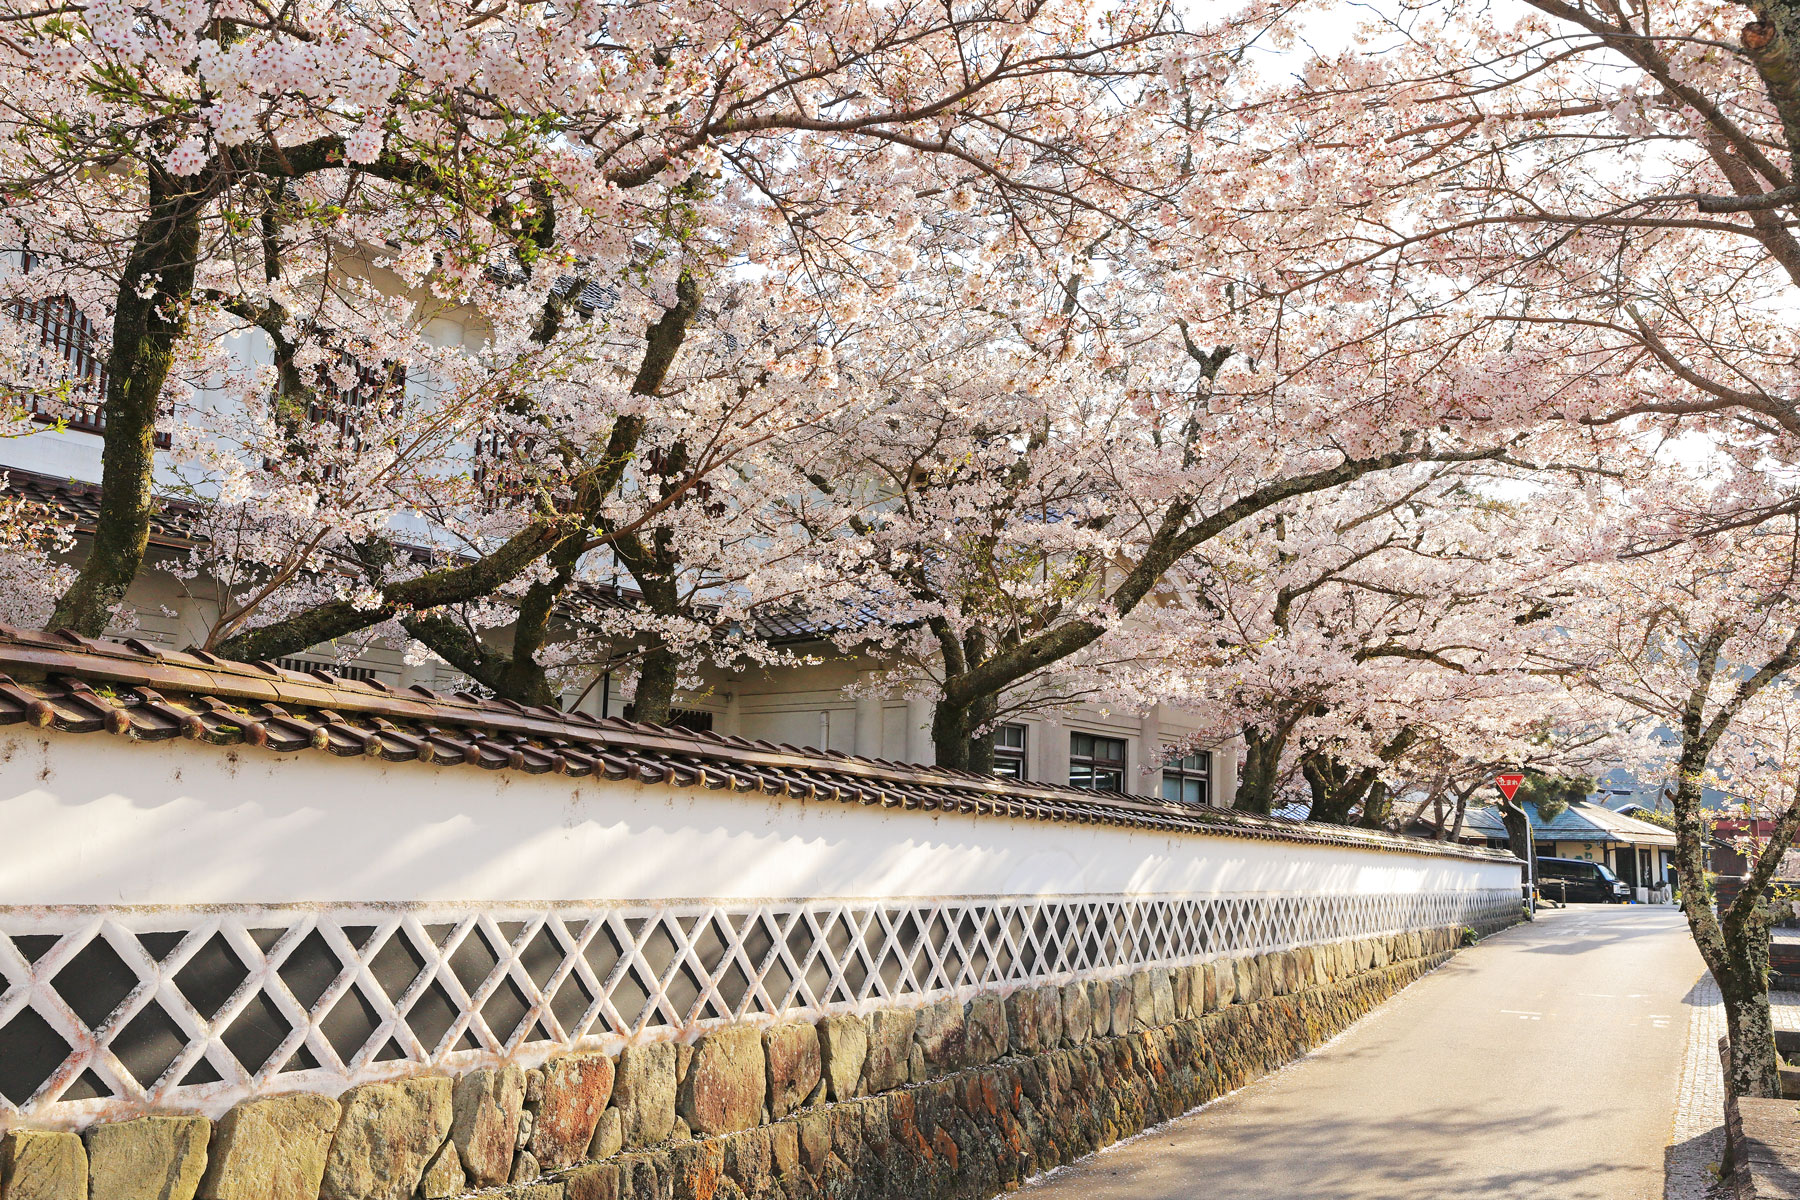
[(173, 523), (130, 689)]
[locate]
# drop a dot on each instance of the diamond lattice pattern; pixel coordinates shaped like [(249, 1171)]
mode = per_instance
[(108, 1011)]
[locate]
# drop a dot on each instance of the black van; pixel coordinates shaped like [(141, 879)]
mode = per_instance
[(1574, 879)]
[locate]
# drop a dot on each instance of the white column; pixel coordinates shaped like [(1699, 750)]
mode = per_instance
[(417, 673), (1225, 760), (1052, 753), (918, 732), (590, 700), (730, 722), (193, 618), (1148, 780), (868, 726)]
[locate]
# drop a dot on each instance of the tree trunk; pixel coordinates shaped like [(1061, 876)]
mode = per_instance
[(1336, 789), (149, 318), (1519, 838), (1735, 951), (1378, 806), (954, 740), (659, 670), (1262, 770), (1744, 985)]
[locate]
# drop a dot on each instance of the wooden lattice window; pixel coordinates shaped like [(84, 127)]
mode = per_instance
[(66, 332)]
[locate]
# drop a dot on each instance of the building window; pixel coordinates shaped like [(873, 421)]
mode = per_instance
[(62, 329), (694, 720), (341, 670), (1009, 751), (1096, 763), (1187, 778)]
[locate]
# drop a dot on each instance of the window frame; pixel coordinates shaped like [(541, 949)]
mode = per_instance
[(1096, 767), (1013, 756), (1175, 770)]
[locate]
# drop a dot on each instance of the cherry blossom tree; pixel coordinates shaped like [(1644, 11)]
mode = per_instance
[(1702, 638), (340, 178), (1380, 640)]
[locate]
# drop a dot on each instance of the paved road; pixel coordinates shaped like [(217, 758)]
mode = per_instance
[(1539, 1065)]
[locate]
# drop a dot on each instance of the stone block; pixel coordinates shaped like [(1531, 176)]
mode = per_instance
[(595, 1181), (1249, 990), (794, 1064), (485, 1106), (784, 1148), (750, 1160), (1078, 1021), (36, 1165), (890, 1049), (640, 1178), (271, 1149), (1121, 1005), (813, 1133), (1050, 1022), (695, 1170), (1162, 996), (1225, 981), (524, 1167), (150, 1158), (543, 1189), (576, 1090), (1143, 1001), (1025, 1035), (941, 1034), (1180, 978), (609, 1135), (1378, 952), (843, 1049), (444, 1175), (1275, 972), (387, 1135), (1100, 1006), (644, 1093), (985, 1023), (726, 1082)]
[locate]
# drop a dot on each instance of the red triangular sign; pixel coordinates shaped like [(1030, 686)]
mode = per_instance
[(1509, 784)]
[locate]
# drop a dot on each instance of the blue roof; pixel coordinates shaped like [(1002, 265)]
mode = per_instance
[(1579, 822)]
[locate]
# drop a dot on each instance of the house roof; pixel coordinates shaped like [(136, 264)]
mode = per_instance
[(1579, 822), (141, 693), (173, 523)]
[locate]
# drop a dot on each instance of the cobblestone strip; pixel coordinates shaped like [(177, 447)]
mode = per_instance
[(1699, 1135)]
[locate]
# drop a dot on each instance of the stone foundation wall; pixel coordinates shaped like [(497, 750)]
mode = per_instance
[(955, 1099)]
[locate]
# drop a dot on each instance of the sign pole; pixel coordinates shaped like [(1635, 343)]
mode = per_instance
[(1509, 786)]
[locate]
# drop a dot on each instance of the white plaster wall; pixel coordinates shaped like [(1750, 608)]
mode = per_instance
[(94, 819)]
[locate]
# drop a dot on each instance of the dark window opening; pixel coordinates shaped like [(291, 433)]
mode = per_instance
[(1096, 763), (1187, 778), (67, 333), (695, 720), (1009, 752), (341, 670)]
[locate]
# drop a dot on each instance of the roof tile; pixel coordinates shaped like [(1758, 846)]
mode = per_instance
[(80, 685)]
